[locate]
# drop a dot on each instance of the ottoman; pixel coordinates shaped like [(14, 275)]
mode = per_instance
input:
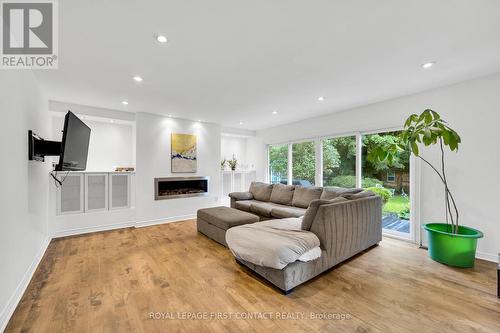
[(213, 222)]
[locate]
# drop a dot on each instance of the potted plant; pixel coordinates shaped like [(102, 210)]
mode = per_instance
[(232, 163), (449, 243), (223, 164)]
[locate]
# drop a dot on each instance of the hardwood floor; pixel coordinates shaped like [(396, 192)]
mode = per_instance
[(113, 281)]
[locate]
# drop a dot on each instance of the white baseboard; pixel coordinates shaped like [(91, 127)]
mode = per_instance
[(479, 255), (9, 309), (164, 220), (87, 230), (487, 256)]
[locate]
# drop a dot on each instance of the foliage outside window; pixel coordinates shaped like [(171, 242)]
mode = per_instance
[(278, 163), (383, 173), (303, 163), (339, 162)]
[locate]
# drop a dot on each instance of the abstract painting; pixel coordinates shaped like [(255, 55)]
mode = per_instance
[(183, 152)]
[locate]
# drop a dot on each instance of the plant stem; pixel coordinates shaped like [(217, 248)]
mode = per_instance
[(446, 187), (448, 208), (443, 180)]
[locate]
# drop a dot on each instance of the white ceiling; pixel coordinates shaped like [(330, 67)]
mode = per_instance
[(232, 60)]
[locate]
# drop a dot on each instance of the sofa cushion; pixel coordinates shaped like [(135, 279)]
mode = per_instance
[(303, 196), (261, 208), (330, 193), (244, 204), (286, 212), (282, 194), (261, 191), (225, 217), (310, 214)]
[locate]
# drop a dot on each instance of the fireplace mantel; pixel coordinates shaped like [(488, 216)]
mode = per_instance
[(180, 187)]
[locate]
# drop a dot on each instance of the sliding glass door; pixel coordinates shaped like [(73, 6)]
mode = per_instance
[(278, 164), (346, 162), (303, 163), (339, 162), (390, 180)]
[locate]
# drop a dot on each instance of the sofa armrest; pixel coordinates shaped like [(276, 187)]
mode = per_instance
[(346, 228), (241, 196)]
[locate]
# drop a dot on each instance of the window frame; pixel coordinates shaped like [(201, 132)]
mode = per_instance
[(391, 174)]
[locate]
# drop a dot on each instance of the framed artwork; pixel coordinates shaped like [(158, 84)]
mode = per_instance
[(183, 153)]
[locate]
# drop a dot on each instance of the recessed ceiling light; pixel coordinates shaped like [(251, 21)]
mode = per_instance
[(275, 112), (321, 98), (428, 64), (170, 116), (137, 78), (241, 123), (111, 121), (161, 39), (124, 102)]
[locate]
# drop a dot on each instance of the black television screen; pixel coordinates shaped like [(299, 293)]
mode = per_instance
[(75, 144)]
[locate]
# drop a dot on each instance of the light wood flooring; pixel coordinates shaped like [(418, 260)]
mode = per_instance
[(113, 281)]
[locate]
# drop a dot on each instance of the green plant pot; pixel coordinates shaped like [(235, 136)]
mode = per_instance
[(458, 250)]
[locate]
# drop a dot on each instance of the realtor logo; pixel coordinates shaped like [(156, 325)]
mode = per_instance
[(29, 34)]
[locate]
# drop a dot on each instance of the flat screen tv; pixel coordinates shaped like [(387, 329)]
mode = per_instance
[(74, 145)]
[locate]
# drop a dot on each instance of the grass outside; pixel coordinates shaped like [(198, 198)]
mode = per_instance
[(397, 204)]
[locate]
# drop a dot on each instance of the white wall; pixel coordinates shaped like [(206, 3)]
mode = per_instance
[(246, 150), (257, 157), (473, 109), (236, 146), (153, 160), (111, 143), (24, 190)]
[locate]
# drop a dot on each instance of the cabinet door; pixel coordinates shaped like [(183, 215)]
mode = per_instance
[(227, 182), (96, 186), (119, 191), (70, 194), (249, 178), (237, 181)]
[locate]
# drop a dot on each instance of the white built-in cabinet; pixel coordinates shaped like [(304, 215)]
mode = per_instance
[(70, 195), (236, 181), (83, 192), (96, 198), (119, 191)]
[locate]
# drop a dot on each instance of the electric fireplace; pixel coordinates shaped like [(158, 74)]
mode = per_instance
[(180, 187)]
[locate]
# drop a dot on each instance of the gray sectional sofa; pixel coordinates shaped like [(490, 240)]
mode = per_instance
[(346, 221)]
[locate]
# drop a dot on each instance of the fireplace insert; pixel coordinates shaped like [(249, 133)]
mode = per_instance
[(180, 187)]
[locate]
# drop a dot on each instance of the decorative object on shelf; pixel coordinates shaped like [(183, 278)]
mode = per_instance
[(124, 169), (223, 164), (449, 243), (183, 153), (233, 163)]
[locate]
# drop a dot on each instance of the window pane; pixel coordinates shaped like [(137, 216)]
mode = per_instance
[(339, 162), (390, 180), (303, 163), (278, 163)]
